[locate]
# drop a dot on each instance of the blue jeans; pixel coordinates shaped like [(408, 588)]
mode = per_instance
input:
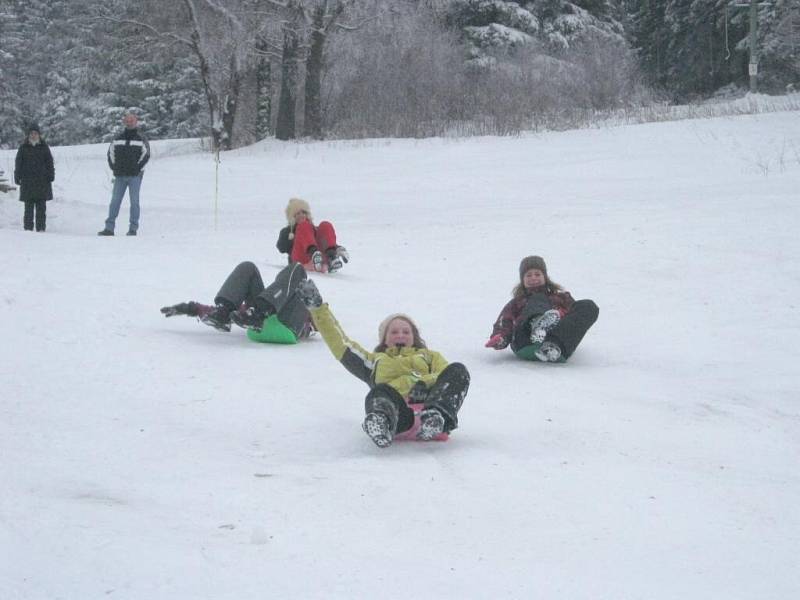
[(121, 183)]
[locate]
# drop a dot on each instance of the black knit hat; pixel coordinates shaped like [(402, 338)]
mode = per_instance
[(531, 262), (34, 127)]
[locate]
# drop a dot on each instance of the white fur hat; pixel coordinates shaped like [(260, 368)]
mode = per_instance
[(295, 205)]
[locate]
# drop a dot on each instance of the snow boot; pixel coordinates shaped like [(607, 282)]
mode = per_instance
[(317, 260), (219, 318), (334, 262), (337, 257), (540, 326), (380, 424), (309, 294), (249, 318), (549, 352), (377, 426), (431, 424)]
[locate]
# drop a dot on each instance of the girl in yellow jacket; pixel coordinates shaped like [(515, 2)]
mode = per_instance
[(415, 393)]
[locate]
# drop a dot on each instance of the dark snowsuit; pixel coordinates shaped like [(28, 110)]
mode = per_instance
[(514, 321), (244, 285), (244, 288), (34, 172)]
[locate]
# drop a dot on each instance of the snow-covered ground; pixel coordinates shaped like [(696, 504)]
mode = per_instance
[(143, 457)]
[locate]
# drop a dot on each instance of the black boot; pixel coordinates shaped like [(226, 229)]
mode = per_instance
[(219, 318), (249, 318), (383, 414), (431, 423)]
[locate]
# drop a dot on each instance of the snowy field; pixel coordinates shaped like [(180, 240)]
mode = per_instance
[(147, 458)]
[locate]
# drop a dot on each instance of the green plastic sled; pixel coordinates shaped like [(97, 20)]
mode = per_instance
[(529, 353), (273, 332)]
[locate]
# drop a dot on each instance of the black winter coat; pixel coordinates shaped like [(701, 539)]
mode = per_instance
[(128, 153), (34, 172), (285, 244)]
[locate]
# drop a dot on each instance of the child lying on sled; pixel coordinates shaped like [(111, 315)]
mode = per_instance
[(270, 314)]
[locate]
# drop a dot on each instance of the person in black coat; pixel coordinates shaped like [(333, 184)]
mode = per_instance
[(34, 172)]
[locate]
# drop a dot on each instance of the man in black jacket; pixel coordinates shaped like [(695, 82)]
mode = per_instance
[(128, 153)]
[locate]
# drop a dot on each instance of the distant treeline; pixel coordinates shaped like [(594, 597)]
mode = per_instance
[(241, 70)]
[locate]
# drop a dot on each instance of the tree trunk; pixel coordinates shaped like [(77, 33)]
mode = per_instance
[(285, 127), (263, 96), (313, 110), (230, 105)]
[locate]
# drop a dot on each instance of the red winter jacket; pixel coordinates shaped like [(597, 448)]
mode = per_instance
[(533, 302)]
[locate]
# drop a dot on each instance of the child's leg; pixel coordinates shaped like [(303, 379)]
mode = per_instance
[(304, 238), (384, 398), (281, 290), (521, 337), (448, 393), (242, 285), (326, 237), (570, 330)]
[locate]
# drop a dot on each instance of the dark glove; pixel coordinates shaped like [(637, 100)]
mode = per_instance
[(418, 394), (309, 294), (184, 308), (497, 341)]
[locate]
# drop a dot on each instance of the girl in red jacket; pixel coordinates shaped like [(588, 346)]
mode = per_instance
[(542, 321)]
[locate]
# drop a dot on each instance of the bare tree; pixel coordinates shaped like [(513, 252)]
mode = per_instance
[(306, 28), (223, 38), (222, 35)]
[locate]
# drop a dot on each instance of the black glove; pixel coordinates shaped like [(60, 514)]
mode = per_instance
[(184, 308), (309, 294), (418, 394)]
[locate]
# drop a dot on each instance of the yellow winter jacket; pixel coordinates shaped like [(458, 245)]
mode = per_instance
[(400, 368)]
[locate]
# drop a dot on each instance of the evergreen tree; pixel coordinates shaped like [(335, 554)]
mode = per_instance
[(779, 45), (10, 101), (490, 26)]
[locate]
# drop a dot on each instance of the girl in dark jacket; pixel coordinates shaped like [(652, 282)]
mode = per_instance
[(34, 173), (542, 321)]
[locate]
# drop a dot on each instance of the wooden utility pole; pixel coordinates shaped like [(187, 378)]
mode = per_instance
[(752, 67)]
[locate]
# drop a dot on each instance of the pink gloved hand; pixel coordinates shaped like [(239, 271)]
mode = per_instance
[(497, 341)]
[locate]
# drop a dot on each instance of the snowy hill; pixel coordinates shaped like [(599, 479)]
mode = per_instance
[(152, 458)]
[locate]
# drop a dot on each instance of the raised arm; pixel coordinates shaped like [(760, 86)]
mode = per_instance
[(354, 357)]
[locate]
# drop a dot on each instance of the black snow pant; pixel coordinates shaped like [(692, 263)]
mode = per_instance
[(244, 284), (568, 333), (40, 208), (446, 394)]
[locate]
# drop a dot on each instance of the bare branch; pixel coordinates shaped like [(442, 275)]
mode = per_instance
[(164, 34)]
